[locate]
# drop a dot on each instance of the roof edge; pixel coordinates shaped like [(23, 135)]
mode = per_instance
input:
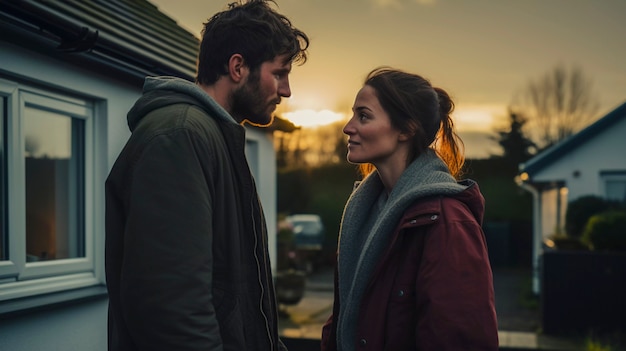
[(73, 39), (556, 151)]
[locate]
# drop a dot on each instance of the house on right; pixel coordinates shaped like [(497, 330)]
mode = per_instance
[(591, 162), (581, 291)]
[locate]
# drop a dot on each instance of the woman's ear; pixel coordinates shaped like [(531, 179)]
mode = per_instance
[(406, 136), (237, 68)]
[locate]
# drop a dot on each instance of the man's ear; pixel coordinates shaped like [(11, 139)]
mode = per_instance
[(237, 68)]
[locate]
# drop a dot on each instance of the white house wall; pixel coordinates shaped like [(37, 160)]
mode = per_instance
[(75, 327), (604, 152), (262, 160), (549, 212)]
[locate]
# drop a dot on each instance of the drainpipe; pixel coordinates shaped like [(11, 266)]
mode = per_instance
[(537, 233)]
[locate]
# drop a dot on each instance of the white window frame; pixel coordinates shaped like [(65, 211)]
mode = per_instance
[(606, 176), (19, 278)]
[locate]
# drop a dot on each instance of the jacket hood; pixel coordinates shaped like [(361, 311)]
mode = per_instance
[(164, 91), (473, 199)]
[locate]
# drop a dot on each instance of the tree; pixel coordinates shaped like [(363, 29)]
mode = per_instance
[(516, 146), (558, 104), (310, 147), (285, 135)]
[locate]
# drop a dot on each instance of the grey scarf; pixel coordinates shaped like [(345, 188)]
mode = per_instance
[(426, 176)]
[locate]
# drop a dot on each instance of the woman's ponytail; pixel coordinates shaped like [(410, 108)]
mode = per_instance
[(448, 144)]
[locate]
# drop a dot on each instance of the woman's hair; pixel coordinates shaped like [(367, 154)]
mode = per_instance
[(417, 108), (252, 29)]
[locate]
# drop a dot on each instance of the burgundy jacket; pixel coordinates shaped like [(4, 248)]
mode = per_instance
[(433, 287)]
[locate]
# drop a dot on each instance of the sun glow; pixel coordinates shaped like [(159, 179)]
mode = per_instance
[(478, 117), (310, 118)]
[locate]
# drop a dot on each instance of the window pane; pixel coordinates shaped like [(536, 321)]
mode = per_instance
[(54, 149), (3, 194), (616, 190)]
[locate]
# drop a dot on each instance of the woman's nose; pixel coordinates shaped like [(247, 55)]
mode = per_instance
[(348, 129)]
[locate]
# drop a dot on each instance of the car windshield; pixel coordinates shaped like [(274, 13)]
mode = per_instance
[(307, 227)]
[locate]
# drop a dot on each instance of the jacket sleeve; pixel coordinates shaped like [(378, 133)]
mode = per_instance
[(455, 297), (327, 343), (329, 329), (167, 266)]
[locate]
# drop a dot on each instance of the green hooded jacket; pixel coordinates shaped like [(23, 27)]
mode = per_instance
[(187, 262)]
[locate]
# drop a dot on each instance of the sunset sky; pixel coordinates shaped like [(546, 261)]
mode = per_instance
[(481, 51)]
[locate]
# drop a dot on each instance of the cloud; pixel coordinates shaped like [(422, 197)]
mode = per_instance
[(398, 4), (478, 117), (387, 3)]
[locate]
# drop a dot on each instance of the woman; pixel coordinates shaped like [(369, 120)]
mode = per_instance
[(412, 270)]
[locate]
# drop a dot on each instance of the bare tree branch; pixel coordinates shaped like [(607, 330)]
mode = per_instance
[(558, 104)]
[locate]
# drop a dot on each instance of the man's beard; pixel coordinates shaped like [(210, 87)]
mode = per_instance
[(249, 104)]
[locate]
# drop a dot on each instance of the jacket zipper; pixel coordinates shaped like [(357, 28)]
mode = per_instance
[(258, 262)]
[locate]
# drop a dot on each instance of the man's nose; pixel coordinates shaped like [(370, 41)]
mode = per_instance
[(284, 89)]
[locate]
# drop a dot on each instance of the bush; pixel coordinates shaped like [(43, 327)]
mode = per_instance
[(606, 231), (605, 341), (581, 209), (564, 242)]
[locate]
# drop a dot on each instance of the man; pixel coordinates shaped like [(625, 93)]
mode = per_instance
[(187, 261)]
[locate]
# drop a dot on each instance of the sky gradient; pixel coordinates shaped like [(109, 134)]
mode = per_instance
[(482, 52)]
